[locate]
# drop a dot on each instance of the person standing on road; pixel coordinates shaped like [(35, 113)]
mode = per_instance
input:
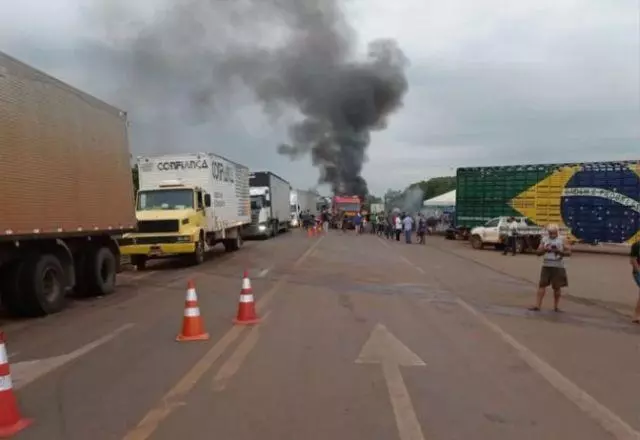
[(357, 222), (374, 224), (325, 220), (635, 263), (554, 248), (391, 223), (512, 236), (397, 226), (422, 228), (408, 228)]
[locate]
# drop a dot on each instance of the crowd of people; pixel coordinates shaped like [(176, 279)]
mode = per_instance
[(553, 246)]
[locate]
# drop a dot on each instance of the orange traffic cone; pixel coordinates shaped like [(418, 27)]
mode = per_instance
[(192, 326), (10, 420), (246, 307)]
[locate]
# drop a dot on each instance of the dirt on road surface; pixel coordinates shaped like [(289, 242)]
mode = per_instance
[(360, 338)]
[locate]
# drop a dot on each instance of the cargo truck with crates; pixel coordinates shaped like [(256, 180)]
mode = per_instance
[(593, 203), (186, 204), (66, 191)]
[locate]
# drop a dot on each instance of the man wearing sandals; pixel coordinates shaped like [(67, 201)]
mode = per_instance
[(635, 263), (553, 248)]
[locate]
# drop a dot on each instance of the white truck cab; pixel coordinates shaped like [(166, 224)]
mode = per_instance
[(260, 210)]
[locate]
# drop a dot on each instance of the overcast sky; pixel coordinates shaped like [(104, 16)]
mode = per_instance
[(490, 82)]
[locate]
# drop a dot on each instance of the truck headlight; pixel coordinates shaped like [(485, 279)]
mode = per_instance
[(294, 222), (262, 228), (184, 239)]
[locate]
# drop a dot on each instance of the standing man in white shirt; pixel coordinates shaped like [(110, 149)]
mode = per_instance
[(512, 236), (553, 248), (407, 222)]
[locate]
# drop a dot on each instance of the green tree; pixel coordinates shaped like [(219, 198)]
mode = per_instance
[(372, 199), (434, 186)]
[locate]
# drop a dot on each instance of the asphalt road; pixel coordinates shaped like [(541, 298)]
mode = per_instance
[(361, 338)]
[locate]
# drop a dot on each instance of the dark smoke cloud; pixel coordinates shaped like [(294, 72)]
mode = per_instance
[(198, 54)]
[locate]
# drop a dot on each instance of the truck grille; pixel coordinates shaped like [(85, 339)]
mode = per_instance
[(158, 226)]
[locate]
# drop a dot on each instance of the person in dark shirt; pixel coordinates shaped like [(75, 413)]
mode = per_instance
[(635, 264)]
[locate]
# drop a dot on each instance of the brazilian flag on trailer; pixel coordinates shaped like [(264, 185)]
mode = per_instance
[(596, 202)]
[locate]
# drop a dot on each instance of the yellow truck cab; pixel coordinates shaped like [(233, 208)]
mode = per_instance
[(187, 204)]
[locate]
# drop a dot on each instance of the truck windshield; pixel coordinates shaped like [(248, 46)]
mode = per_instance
[(166, 199), (349, 207), (256, 202)]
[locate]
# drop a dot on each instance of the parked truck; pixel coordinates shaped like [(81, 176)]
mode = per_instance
[(302, 201), (270, 197), (595, 202), (186, 204), (344, 208), (65, 191)]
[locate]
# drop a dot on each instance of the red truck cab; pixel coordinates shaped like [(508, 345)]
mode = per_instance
[(349, 205)]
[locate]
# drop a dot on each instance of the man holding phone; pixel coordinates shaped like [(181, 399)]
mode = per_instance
[(553, 248)]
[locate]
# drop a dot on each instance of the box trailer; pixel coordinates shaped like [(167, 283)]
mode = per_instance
[(270, 197), (186, 204), (302, 201), (66, 191), (596, 202)]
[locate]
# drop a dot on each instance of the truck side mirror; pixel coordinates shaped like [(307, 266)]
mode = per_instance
[(207, 200)]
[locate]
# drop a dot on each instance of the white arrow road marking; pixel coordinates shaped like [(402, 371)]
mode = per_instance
[(23, 373), (385, 349)]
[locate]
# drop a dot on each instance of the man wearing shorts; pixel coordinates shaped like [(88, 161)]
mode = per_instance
[(553, 248), (635, 263)]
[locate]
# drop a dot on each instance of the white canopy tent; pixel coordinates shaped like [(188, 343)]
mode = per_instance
[(440, 207), (443, 200)]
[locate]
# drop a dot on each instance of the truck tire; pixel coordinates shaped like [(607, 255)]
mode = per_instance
[(274, 229), (139, 261), (99, 274), (232, 244), (476, 242), (42, 285), (10, 294), (237, 242), (198, 255)]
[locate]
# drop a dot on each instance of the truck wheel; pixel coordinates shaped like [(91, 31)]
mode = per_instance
[(198, 255), (42, 284), (10, 294), (476, 242), (233, 244), (139, 261), (274, 229), (100, 272)]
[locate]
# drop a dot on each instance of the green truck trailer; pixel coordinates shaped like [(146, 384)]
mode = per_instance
[(597, 202)]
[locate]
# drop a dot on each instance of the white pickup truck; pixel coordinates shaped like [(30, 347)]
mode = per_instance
[(492, 233)]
